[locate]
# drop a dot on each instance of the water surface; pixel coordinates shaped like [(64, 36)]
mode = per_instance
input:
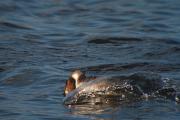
[(41, 41)]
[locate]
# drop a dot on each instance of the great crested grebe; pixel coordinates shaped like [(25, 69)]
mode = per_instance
[(81, 89), (76, 79)]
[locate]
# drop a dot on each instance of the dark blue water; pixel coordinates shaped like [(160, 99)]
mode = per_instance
[(41, 41)]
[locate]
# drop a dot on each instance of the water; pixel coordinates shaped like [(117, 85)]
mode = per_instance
[(42, 41)]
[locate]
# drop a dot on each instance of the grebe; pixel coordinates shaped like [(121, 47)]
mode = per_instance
[(76, 79), (80, 89)]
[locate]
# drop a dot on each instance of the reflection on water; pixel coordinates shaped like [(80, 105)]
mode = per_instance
[(90, 109), (94, 111), (42, 41), (136, 110)]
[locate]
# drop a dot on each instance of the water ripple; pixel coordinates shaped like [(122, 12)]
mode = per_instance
[(114, 40), (42, 41), (14, 25)]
